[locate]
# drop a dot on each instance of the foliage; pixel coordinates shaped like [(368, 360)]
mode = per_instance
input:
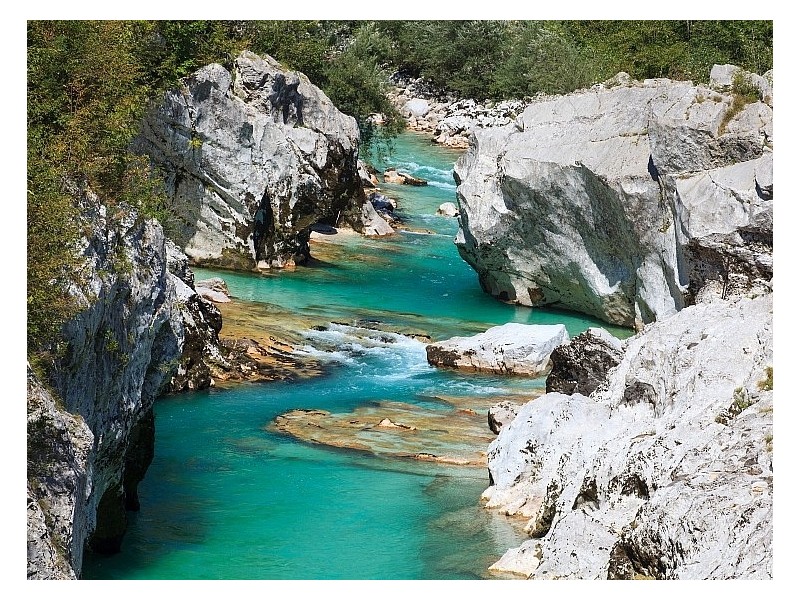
[(496, 59), (357, 86), (743, 86), (744, 92), (766, 383)]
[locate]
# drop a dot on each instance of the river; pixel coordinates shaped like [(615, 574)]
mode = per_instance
[(226, 497)]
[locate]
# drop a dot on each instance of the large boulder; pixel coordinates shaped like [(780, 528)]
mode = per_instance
[(590, 201), (513, 349), (665, 472), (251, 160)]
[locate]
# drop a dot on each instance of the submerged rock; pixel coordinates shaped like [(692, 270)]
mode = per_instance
[(512, 349), (665, 472), (452, 434), (252, 159), (590, 201)]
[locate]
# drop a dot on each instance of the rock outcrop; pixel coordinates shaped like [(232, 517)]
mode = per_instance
[(617, 202), (582, 364), (513, 349), (142, 330), (395, 176), (119, 354), (213, 290), (663, 472), (251, 160)]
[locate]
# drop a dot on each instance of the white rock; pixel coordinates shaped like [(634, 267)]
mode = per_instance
[(374, 223), (416, 107), (252, 159), (512, 348), (588, 200), (448, 209), (655, 465), (722, 76)]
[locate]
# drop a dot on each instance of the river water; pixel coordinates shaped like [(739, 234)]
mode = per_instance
[(228, 498)]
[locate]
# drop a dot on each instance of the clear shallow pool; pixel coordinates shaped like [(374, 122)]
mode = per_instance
[(226, 498)]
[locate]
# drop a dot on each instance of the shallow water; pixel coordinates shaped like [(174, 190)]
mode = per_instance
[(226, 498)]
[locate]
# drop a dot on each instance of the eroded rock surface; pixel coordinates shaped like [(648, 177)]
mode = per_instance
[(665, 472), (454, 434), (120, 352), (591, 201), (513, 349), (583, 364), (59, 447), (251, 160), (501, 414)]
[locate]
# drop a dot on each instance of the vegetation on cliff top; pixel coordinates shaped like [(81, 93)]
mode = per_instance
[(90, 81)]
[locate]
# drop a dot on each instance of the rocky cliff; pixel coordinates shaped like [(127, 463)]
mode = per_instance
[(627, 201), (91, 443), (251, 160), (664, 471)]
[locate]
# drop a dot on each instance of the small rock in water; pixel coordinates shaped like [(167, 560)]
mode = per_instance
[(448, 209)]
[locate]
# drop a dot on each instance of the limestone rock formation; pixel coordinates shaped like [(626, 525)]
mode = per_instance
[(665, 471), (580, 366), (513, 349), (251, 160), (395, 176), (374, 223), (593, 201), (59, 447), (119, 354), (213, 290), (141, 330)]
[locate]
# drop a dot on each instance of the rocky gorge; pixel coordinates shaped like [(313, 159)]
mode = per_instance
[(645, 205), (143, 329), (631, 201)]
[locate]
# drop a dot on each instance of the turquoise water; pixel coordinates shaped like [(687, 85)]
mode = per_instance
[(225, 498)]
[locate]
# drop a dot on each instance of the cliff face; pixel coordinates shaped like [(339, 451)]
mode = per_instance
[(665, 471), (59, 446), (120, 352), (251, 160), (624, 202)]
